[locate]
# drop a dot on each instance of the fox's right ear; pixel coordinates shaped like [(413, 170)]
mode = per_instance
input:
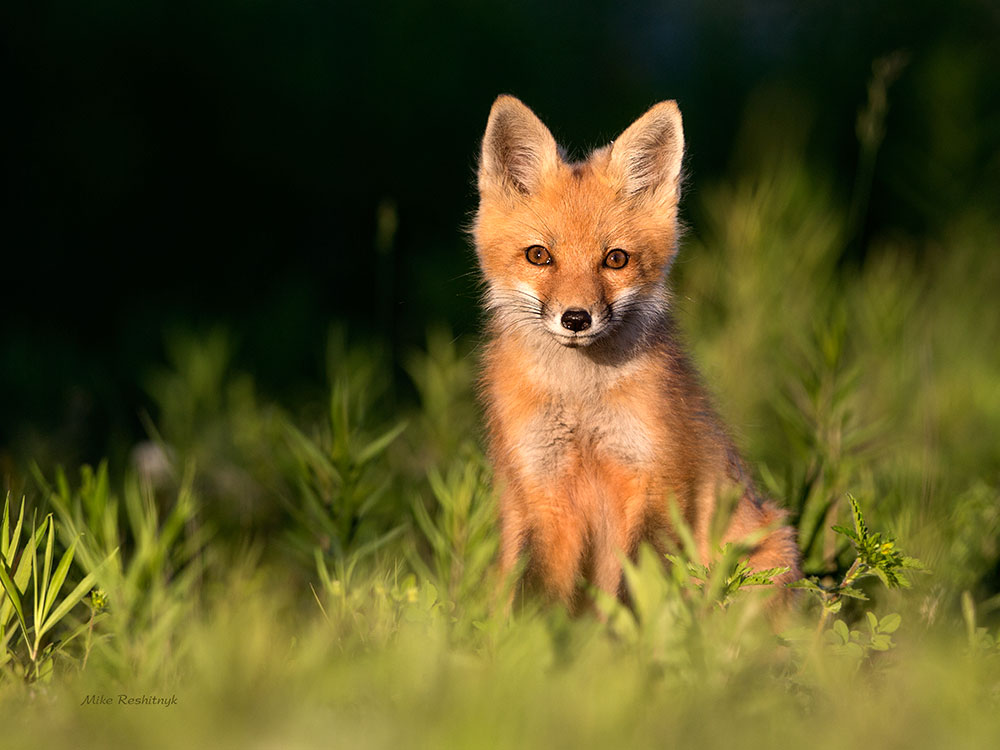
[(646, 158), (518, 150)]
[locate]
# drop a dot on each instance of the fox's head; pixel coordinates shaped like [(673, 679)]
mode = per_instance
[(577, 251)]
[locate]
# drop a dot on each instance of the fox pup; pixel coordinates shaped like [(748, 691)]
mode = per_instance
[(596, 418)]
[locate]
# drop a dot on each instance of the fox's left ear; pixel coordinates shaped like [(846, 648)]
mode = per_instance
[(518, 150), (646, 159)]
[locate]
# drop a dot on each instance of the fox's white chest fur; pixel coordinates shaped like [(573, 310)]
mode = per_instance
[(562, 435), (576, 421)]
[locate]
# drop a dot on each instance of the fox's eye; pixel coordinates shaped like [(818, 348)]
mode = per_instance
[(616, 259), (538, 255)]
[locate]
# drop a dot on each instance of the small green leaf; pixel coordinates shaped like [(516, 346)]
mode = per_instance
[(859, 519), (762, 577), (853, 593), (840, 628), (890, 623), (884, 577), (380, 443), (847, 532), (872, 622), (881, 642)]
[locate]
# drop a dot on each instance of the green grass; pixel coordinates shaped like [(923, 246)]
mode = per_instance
[(325, 577)]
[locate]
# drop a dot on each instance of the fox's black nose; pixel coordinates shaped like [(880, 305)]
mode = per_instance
[(576, 319)]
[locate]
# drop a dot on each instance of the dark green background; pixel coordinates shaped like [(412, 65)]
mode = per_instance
[(178, 165)]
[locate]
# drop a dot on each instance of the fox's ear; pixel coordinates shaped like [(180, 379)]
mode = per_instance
[(646, 158), (518, 150)]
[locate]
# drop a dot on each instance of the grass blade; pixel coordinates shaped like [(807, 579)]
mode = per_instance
[(74, 597), (43, 594), (26, 563), (15, 598), (15, 537), (5, 526), (57, 580), (380, 443)]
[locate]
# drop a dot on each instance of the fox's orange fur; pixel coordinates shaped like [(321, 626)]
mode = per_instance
[(596, 418)]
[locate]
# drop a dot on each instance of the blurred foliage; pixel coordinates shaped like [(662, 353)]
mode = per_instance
[(270, 166)]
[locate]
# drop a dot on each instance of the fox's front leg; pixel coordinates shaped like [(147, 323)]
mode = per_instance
[(557, 536), (556, 555), (623, 520), (543, 526)]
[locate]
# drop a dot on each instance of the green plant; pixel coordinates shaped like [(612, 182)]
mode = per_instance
[(48, 607), (145, 555), (338, 485), (878, 556), (717, 580), (858, 644), (458, 527)]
